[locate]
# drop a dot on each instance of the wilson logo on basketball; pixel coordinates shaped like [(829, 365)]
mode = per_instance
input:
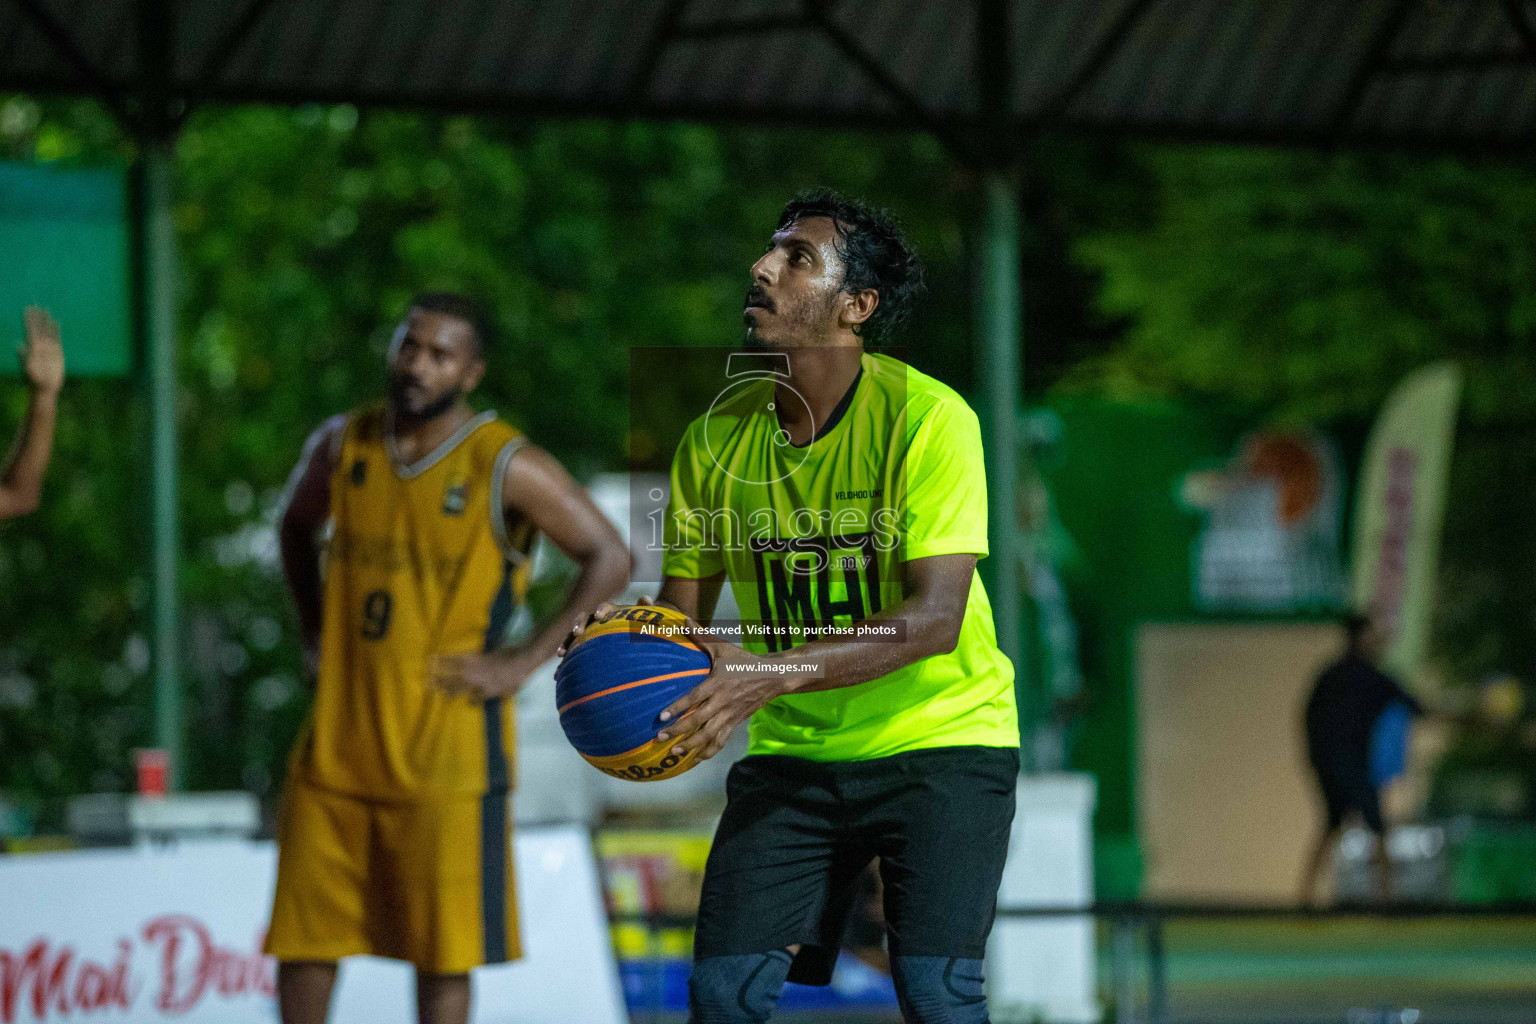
[(635, 773)]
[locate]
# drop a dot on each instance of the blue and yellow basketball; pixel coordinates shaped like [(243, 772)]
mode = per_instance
[(614, 681)]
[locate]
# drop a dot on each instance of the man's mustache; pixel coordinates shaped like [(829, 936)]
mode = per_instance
[(758, 297)]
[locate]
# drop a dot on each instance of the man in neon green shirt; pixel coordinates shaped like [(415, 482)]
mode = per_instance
[(842, 494)]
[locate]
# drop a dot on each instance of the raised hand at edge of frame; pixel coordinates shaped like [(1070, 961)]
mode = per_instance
[(42, 353)]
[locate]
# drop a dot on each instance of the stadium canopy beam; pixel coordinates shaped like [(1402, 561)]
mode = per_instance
[(227, 47), (1459, 62), (1104, 51), (1373, 63), (645, 71), (1514, 11), (888, 84), (68, 47)]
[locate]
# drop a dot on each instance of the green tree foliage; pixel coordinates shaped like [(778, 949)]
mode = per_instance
[(1305, 286)]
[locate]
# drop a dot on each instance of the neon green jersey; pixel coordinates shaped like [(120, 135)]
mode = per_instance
[(814, 537)]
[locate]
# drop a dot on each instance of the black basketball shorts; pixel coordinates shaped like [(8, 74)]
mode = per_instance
[(796, 833)]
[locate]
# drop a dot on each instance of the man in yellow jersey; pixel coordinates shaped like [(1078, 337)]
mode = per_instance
[(394, 838), (843, 497)]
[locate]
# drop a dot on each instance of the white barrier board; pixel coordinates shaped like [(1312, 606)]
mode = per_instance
[(1043, 969), (156, 935)]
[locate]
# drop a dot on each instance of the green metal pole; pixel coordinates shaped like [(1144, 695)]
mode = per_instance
[(1000, 341), (160, 272)]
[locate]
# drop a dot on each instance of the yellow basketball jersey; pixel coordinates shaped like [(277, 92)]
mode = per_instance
[(419, 565)]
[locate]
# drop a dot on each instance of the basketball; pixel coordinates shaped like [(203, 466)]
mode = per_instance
[(616, 679)]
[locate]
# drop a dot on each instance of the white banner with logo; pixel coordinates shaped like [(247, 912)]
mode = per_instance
[(175, 934), (1399, 507)]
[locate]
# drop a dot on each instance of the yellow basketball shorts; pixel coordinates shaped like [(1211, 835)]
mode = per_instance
[(427, 882)]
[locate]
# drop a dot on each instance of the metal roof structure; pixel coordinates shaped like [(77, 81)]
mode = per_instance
[(1453, 73)]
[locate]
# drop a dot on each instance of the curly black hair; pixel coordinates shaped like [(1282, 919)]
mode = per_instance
[(875, 254)]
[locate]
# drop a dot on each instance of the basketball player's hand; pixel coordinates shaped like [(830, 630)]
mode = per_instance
[(736, 688), (599, 614), (42, 354), (483, 676)]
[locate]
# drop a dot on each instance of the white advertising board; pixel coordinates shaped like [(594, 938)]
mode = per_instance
[(175, 934), (1043, 969)]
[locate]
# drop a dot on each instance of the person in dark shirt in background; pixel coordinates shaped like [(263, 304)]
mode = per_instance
[(1347, 699)]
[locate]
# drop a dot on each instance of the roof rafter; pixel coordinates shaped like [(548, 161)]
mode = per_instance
[(744, 26), (1514, 11), (1077, 64), (1375, 58), (1104, 51), (888, 84), (1453, 62), (650, 57), (224, 51), (65, 43)]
